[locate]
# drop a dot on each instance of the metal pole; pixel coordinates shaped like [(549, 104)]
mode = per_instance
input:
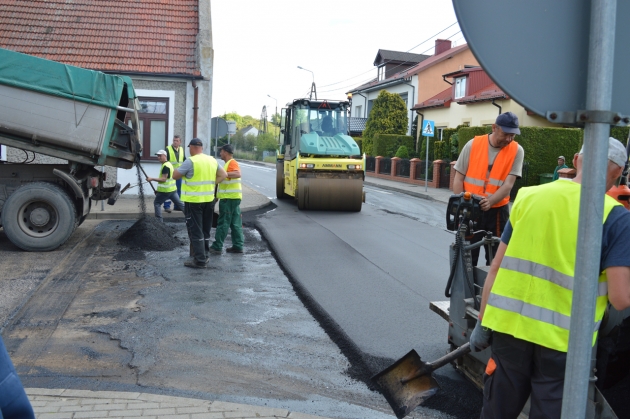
[(598, 97), (216, 137), (426, 169)]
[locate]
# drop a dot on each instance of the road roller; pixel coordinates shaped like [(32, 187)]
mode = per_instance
[(318, 163)]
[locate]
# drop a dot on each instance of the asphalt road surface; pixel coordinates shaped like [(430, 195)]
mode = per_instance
[(369, 278)]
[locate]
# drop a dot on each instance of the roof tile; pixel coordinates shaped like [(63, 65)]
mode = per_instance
[(155, 36)]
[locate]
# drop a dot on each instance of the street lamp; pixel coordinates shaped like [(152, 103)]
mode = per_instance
[(276, 104), (313, 90)]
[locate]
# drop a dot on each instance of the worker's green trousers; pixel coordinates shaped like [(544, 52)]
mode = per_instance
[(229, 220)]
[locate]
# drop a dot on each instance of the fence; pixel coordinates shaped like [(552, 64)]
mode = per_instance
[(370, 164), (445, 174), (386, 166), (403, 168), (421, 171)]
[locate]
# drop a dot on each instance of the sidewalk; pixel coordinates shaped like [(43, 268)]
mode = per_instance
[(128, 206), (77, 404)]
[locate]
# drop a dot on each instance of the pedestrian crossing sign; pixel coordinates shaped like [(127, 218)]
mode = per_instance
[(428, 128)]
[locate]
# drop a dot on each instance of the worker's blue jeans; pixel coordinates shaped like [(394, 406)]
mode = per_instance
[(167, 204), (14, 403), (161, 198)]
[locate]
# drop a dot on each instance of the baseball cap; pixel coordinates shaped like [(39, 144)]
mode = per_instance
[(508, 123), (227, 148), (616, 152), (160, 152), (561, 157), (195, 141)]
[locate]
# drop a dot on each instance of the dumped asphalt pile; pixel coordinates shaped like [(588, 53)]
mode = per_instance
[(150, 234)]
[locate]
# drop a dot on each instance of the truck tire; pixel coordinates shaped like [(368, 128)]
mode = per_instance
[(39, 216), (280, 181)]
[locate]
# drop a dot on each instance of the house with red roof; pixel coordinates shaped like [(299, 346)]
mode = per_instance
[(165, 46), (413, 81), (471, 98)]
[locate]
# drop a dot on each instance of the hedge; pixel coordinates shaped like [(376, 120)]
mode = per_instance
[(468, 133), (386, 145), (359, 141)]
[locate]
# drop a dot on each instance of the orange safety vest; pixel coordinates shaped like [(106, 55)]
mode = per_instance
[(477, 181)]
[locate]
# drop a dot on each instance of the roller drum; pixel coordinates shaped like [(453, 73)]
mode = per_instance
[(334, 194)]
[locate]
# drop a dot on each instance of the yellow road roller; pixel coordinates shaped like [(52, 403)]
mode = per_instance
[(318, 163)]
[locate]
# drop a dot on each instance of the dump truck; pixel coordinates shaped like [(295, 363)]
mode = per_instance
[(85, 117), (408, 382), (319, 164)]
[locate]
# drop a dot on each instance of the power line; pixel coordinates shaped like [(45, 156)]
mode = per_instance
[(425, 41), (372, 78)]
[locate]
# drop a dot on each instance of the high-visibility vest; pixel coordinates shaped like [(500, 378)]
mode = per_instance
[(169, 185), (175, 157), (230, 188), (200, 187), (477, 180), (532, 294)]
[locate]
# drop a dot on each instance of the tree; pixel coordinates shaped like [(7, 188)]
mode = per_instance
[(266, 142), (275, 119), (388, 116)]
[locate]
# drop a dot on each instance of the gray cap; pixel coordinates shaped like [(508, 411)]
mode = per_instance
[(508, 123), (160, 152), (561, 158), (616, 152)]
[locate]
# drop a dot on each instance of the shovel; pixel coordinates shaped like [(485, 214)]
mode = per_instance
[(408, 382)]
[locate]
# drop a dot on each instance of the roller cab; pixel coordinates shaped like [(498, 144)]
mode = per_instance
[(319, 164)]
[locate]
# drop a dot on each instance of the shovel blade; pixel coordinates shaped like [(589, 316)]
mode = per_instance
[(404, 397)]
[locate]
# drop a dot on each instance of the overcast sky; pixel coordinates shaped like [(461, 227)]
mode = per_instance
[(258, 46)]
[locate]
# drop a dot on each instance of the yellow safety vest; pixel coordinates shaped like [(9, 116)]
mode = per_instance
[(200, 187), (175, 157), (532, 294), (230, 188), (169, 185)]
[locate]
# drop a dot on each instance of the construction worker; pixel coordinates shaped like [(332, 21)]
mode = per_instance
[(200, 173), (14, 403), (527, 296), (176, 156), (488, 166), (166, 188), (230, 195), (561, 165)]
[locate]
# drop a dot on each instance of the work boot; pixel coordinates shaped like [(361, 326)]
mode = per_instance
[(193, 264), (168, 210), (234, 250), (214, 251)]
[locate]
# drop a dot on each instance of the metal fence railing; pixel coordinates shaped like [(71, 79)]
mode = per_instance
[(370, 164), (403, 168), (420, 171), (445, 174), (386, 166)]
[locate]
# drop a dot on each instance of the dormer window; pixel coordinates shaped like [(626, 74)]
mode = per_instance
[(460, 87), (381, 73)]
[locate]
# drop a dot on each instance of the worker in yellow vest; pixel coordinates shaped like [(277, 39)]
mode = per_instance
[(176, 156), (527, 296), (230, 194), (488, 166), (200, 173), (166, 188)]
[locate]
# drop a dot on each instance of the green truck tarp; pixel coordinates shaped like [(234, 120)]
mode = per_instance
[(50, 77)]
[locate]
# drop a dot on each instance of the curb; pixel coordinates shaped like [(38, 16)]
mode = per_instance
[(404, 191)]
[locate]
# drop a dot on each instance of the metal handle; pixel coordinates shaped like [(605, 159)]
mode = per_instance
[(120, 108)]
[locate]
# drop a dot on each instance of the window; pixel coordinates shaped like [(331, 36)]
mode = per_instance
[(404, 96), (460, 87), (381, 73), (153, 117), (369, 108), (357, 111)]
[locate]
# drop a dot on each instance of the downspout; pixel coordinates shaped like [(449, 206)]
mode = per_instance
[(413, 102), (364, 104), (496, 106), (444, 78), (195, 107)]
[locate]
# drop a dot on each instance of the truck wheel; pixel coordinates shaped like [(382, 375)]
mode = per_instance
[(39, 216), (280, 181)]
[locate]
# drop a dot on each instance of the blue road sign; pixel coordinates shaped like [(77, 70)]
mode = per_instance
[(428, 129)]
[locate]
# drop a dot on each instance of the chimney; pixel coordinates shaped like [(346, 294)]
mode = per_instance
[(442, 45)]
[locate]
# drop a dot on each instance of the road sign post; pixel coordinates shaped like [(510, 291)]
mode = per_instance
[(526, 68), (428, 130)]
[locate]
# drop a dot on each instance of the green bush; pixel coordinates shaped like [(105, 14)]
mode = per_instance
[(359, 141), (386, 145), (466, 134), (388, 116), (451, 151), (440, 151), (402, 152), (620, 133)]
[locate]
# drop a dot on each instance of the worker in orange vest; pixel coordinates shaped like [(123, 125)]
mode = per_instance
[(488, 166)]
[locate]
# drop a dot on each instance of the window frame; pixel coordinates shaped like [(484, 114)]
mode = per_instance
[(145, 128), (460, 87)]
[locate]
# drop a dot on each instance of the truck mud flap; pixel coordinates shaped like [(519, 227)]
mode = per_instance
[(114, 196)]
